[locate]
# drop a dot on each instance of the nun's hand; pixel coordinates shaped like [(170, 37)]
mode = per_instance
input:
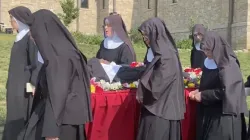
[(197, 97), (139, 100), (33, 91), (50, 138), (192, 94), (104, 61), (140, 64)]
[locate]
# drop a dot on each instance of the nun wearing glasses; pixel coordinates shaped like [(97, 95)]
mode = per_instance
[(197, 56), (116, 47)]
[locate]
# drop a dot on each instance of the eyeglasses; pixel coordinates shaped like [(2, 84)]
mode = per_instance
[(106, 25), (196, 34)]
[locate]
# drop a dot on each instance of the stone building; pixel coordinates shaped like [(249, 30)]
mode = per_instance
[(229, 17)]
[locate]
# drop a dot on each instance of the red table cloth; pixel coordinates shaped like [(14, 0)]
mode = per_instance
[(189, 123), (116, 116)]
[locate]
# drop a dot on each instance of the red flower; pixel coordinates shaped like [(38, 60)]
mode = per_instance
[(188, 70), (134, 64), (98, 89), (197, 71)]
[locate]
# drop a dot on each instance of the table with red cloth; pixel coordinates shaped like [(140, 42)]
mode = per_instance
[(116, 116), (189, 122)]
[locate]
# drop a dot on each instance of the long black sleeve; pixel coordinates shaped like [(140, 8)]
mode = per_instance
[(34, 63), (211, 96), (98, 52), (126, 56)]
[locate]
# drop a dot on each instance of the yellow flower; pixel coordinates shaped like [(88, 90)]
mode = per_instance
[(191, 85), (199, 82), (185, 81), (92, 88), (132, 85)]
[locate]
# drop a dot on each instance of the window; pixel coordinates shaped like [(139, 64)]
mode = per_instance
[(149, 4), (174, 1), (84, 3)]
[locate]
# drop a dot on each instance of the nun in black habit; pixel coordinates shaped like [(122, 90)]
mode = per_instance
[(116, 46), (22, 72), (161, 88), (62, 101), (221, 96), (197, 56), (247, 84)]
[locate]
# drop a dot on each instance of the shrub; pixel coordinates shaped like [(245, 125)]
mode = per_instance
[(87, 39), (135, 36), (70, 12), (184, 44)]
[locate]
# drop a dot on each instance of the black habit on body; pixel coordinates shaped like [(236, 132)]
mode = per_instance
[(197, 56), (212, 124), (22, 70), (161, 88), (220, 115), (234, 98), (64, 90), (124, 54), (247, 84)]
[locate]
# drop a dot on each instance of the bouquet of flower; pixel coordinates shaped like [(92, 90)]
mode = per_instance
[(136, 64), (110, 86), (131, 85), (94, 86), (97, 87), (193, 78), (103, 86)]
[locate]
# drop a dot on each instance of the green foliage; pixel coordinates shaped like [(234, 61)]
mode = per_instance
[(135, 36), (184, 44), (70, 12), (87, 39)]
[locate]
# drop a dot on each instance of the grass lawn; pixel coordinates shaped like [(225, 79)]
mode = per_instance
[(6, 42)]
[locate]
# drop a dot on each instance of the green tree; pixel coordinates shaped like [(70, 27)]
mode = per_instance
[(70, 12)]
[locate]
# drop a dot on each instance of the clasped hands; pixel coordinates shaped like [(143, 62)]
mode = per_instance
[(195, 95)]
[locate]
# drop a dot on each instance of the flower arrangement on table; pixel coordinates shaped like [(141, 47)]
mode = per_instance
[(136, 64), (102, 85), (193, 78), (106, 86), (131, 85)]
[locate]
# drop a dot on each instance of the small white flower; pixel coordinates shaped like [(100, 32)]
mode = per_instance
[(193, 75)]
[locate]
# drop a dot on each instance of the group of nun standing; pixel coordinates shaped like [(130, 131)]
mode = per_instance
[(46, 57)]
